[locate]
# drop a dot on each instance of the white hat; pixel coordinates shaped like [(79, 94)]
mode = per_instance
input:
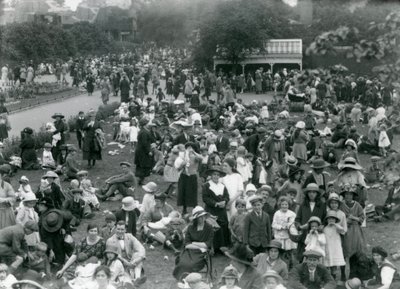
[(197, 212), (129, 204), (251, 187), (300, 124), (29, 197), (150, 187)]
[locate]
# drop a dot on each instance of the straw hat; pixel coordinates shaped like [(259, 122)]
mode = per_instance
[(319, 164), (332, 214), (315, 219), (251, 188), (311, 187), (351, 163), (273, 274), (351, 143), (333, 197), (197, 212), (275, 244), (291, 161)]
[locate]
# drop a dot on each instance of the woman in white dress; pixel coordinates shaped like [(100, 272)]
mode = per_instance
[(233, 182)]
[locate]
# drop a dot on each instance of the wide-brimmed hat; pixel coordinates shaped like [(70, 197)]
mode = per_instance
[(311, 187), (312, 253), (150, 187), (240, 253), (50, 174), (18, 284), (197, 212), (30, 197), (52, 221), (82, 173), (217, 169), (273, 274), (350, 163), (57, 114), (351, 143), (379, 250), (315, 219), (347, 187), (128, 204), (332, 214), (128, 164), (291, 161), (111, 248), (354, 283), (300, 124), (319, 164)]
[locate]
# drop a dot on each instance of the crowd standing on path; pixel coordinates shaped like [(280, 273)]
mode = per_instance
[(238, 171)]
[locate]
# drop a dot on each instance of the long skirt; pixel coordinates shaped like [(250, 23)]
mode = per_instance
[(187, 191), (353, 241), (189, 261), (7, 217), (300, 151)]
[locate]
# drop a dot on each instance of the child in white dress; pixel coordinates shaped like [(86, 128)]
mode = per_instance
[(383, 141), (315, 240), (47, 157), (333, 249)]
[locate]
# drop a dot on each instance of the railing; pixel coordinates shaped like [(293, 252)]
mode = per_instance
[(284, 46)]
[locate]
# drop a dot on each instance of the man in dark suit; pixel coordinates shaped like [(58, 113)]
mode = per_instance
[(80, 122), (222, 142), (186, 136), (129, 214), (311, 274), (252, 142)]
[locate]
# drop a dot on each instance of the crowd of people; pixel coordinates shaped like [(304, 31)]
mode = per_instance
[(283, 196)]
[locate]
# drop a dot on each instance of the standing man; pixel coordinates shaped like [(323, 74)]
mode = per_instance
[(60, 129), (143, 155), (80, 123), (125, 86)]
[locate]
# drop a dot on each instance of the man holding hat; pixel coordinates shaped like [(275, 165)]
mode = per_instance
[(12, 242), (311, 274), (121, 182)]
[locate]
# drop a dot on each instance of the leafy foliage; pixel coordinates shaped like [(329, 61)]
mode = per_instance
[(387, 43)]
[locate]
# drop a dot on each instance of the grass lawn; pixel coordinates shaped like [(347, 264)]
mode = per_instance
[(158, 268)]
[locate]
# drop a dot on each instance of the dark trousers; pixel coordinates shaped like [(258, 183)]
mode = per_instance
[(79, 137), (55, 242)]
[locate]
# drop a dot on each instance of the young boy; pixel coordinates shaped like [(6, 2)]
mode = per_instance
[(109, 229), (160, 95), (257, 226)]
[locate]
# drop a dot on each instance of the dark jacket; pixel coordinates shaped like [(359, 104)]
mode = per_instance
[(299, 278), (132, 217), (222, 144), (142, 157), (256, 230), (60, 128), (251, 144)]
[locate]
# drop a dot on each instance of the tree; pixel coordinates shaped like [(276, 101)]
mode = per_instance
[(232, 31), (385, 46)]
